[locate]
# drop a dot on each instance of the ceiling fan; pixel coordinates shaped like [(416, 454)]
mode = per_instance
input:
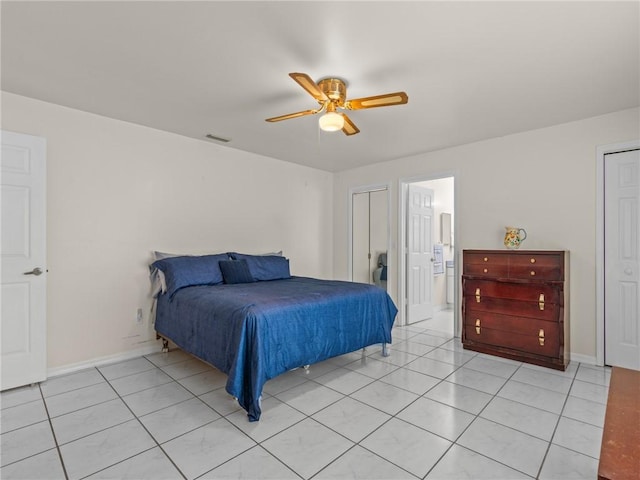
[(331, 94)]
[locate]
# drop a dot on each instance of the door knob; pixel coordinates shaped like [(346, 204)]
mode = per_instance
[(36, 271)]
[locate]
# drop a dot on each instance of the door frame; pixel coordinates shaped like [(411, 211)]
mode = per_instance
[(402, 239), (376, 187), (601, 152)]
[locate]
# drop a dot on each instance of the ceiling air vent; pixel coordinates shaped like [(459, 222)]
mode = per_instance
[(217, 139)]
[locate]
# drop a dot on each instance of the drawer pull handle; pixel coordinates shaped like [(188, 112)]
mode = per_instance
[(485, 270), (541, 301), (541, 337), (477, 326), (485, 259), (533, 260), (533, 273), (477, 295)]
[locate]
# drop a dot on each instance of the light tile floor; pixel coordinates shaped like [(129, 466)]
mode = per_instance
[(430, 410)]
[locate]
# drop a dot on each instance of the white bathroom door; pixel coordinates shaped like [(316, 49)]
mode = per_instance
[(419, 254), (622, 259), (23, 254)]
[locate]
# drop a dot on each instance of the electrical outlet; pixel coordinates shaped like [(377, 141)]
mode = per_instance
[(139, 317)]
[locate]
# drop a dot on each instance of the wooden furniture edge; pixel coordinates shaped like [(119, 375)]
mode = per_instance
[(620, 448)]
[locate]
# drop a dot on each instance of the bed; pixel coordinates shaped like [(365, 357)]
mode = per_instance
[(254, 321)]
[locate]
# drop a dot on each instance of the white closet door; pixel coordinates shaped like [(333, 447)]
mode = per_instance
[(369, 231), (378, 224), (24, 323), (360, 241), (622, 259)]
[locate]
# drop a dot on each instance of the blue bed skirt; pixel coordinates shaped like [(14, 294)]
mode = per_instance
[(256, 331)]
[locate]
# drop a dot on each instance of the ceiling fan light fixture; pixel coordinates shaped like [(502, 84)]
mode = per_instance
[(331, 122)]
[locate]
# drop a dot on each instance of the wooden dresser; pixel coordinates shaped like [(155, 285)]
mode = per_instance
[(515, 305)]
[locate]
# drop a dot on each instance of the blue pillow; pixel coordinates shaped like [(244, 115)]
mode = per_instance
[(188, 271), (265, 267), (236, 271)]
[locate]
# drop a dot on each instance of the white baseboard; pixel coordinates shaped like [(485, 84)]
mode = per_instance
[(442, 307), (579, 358), (155, 347)]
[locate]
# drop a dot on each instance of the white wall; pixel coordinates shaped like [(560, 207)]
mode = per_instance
[(116, 191), (543, 180)]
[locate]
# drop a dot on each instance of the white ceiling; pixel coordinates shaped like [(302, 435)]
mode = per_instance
[(472, 70)]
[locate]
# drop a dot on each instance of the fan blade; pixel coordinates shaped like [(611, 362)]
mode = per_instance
[(292, 115), (349, 127), (398, 98), (310, 86)]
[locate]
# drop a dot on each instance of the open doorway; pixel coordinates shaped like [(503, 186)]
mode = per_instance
[(427, 270)]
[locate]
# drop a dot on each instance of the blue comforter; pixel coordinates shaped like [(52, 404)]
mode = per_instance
[(256, 331)]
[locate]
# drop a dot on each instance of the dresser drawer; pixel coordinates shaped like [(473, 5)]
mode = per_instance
[(485, 258), (530, 272), (480, 289), (537, 260), (547, 346), (486, 270), (511, 323), (507, 306)]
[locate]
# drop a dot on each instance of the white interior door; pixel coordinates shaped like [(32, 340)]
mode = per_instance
[(23, 324), (622, 259), (419, 254)]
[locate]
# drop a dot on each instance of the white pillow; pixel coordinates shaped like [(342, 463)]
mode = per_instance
[(270, 254)]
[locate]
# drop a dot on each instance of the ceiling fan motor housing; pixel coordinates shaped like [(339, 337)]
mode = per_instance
[(335, 89)]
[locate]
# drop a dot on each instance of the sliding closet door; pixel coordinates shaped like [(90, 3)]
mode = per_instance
[(378, 238), (370, 225), (360, 240)]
